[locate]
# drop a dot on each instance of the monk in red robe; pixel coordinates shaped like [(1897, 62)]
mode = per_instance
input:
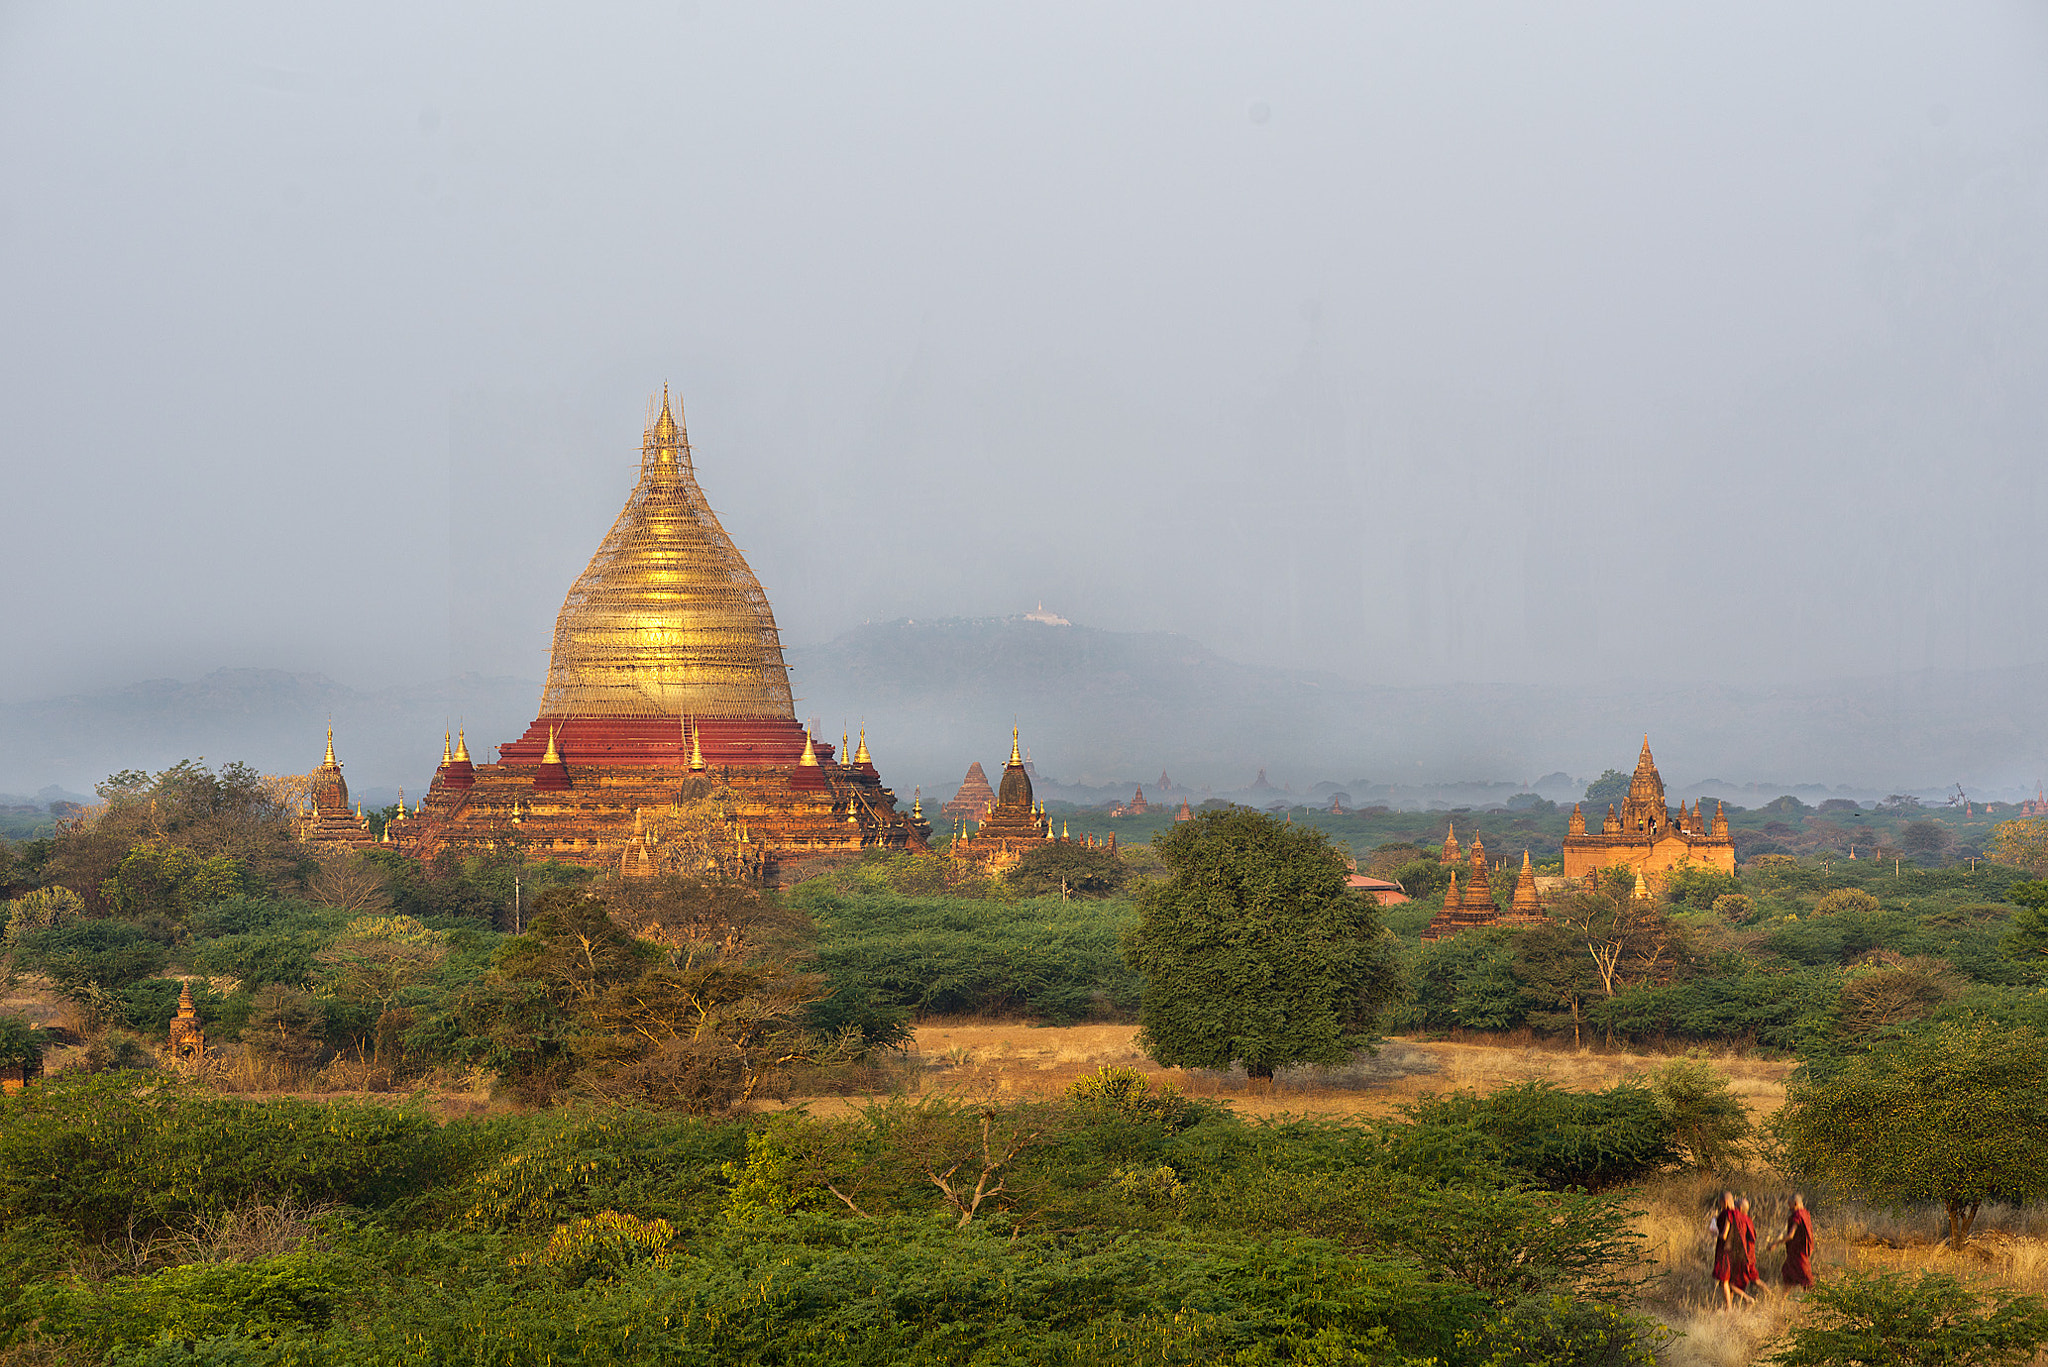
[(1747, 1277), (1728, 1260), (1798, 1241)]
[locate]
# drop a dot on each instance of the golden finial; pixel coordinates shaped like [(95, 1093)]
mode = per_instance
[(844, 749), (810, 755), (1016, 756), (1064, 832), (401, 803), (860, 756), (551, 757), (461, 747), (329, 763), (447, 755), (917, 804)]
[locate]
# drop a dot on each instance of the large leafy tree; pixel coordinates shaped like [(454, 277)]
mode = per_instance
[(1957, 1114), (1255, 949)]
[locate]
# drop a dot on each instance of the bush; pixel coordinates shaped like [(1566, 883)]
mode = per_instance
[(1706, 1120), (1699, 887), (1560, 1138), (600, 1247), (884, 954), (1735, 907), (123, 1151), (1560, 1332), (1935, 1321), (1845, 900), (1059, 868), (1467, 982), (1126, 1096), (112, 954)]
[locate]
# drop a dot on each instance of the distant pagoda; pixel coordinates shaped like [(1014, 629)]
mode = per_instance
[(1014, 826), (667, 739), (330, 825), (974, 799)]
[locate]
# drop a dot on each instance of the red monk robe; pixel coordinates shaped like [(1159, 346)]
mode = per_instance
[(1726, 1255), (1744, 1250), (1798, 1269)]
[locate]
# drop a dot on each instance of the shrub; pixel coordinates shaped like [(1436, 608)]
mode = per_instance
[(1706, 1120), (1059, 868), (1127, 1096), (1699, 887), (602, 1246), (1845, 900), (42, 909), (109, 953), (1736, 907), (1557, 1331), (124, 1151), (1560, 1138), (1935, 1321)]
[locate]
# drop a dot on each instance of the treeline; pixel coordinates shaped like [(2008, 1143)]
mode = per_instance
[(1821, 962)]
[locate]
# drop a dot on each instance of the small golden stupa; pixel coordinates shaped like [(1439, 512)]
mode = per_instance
[(667, 738)]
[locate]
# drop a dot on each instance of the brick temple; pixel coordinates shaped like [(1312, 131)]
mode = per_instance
[(667, 738), (1644, 834)]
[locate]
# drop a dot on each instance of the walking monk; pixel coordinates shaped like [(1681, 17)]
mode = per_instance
[(1746, 1275), (1728, 1259), (1798, 1241)]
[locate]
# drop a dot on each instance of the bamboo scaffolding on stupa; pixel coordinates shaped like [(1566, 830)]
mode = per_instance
[(667, 619)]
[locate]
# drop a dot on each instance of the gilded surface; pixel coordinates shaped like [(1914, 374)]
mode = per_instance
[(667, 620)]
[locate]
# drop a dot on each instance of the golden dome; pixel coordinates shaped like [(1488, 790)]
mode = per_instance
[(667, 620)]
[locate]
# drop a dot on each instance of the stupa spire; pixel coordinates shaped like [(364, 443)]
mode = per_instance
[(329, 762), (1016, 757), (810, 755), (461, 748), (447, 753), (551, 757), (667, 620), (860, 756)]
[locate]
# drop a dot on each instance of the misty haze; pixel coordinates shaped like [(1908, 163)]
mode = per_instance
[(1598, 349)]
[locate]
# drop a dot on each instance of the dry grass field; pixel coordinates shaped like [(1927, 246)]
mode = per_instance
[(1022, 1060)]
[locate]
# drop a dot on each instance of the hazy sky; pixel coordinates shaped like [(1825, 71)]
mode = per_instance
[(1507, 342)]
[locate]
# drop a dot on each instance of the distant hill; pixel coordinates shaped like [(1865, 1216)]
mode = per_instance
[(1102, 710)]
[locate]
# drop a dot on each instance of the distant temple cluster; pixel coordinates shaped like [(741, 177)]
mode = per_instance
[(1641, 834), (1472, 906)]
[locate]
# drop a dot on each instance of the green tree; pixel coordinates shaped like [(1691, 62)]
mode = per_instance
[(1610, 787), (1936, 1321), (2027, 940), (1957, 1114), (1059, 868), (2022, 844), (1255, 949)]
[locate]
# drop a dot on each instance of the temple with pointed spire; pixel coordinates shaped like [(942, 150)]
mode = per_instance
[(329, 824), (1643, 833), (974, 799), (1016, 823), (666, 739)]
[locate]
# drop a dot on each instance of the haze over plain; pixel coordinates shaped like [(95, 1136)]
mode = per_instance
[(1560, 347)]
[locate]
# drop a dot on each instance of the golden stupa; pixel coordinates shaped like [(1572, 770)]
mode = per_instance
[(668, 620), (667, 739)]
